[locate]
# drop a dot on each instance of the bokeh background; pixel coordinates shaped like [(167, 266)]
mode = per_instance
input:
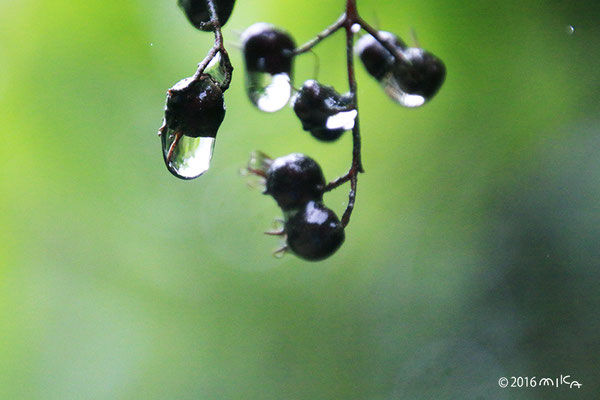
[(473, 252)]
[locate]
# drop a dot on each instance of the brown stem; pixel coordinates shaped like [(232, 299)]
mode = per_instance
[(323, 35), (386, 45), (219, 47)]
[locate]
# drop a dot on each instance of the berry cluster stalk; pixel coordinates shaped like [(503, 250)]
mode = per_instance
[(348, 20)]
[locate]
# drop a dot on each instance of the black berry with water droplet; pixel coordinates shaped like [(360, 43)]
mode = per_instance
[(314, 232), (293, 180), (377, 60), (195, 108), (198, 13), (421, 73), (268, 49), (315, 103)]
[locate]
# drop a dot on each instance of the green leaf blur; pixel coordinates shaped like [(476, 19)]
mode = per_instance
[(473, 252)]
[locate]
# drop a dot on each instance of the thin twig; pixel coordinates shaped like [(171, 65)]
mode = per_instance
[(218, 47), (386, 45), (323, 35)]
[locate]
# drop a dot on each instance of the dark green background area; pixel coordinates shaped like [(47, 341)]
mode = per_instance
[(473, 252)]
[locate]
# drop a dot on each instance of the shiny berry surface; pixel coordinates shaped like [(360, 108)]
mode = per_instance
[(314, 232), (293, 180), (421, 73), (195, 107), (198, 13), (267, 49), (376, 59), (315, 104)]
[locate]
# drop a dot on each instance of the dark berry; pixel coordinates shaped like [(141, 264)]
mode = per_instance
[(421, 73), (198, 13), (316, 104), (268, 49), (376, 59), (293, 180), (314, 232), (195, 107)]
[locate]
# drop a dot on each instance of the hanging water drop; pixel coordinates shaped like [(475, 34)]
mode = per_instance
[(268, 53), (193, 114), (415, 79), (394, 91), (268, 92), (411, 76), (186, 157)]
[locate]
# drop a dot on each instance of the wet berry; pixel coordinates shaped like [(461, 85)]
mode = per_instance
[(411, 80), (198, 13), (421, 73), (376, 59), (324, 113), (267, 49), (314, 232), (293, 180), (195, 108)]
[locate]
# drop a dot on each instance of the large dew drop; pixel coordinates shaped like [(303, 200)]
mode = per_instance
[(186, 157), (268, 92)]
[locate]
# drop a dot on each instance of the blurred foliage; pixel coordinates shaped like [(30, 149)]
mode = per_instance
[(473, 252)]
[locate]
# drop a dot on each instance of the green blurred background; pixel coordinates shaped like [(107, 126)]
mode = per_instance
[(473, 252)]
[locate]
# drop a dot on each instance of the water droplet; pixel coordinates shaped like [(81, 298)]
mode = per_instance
[(268, 92), (355, 28), (342, 120), (393, 89), (570, 29), (216, 69), (186, 157), (151, 44)]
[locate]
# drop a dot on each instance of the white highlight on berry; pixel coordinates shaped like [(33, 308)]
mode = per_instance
[(342, 120)]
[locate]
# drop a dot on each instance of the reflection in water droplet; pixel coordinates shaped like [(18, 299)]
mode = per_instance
[(342, 120), (216, 69), (268, 92), (190, 157), (570, 29), (392, 88)]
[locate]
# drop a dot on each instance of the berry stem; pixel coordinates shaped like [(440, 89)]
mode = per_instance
[(386, 45), (218, 47), (323, 35), (347, 21)]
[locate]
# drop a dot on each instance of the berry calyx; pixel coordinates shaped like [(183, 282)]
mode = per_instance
[(314, 232), (324, 113), (267, 49), (195, 108), (198, 13), (293, 180)]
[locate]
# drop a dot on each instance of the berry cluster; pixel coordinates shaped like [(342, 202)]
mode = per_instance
[(195, 109), (296, 182)]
